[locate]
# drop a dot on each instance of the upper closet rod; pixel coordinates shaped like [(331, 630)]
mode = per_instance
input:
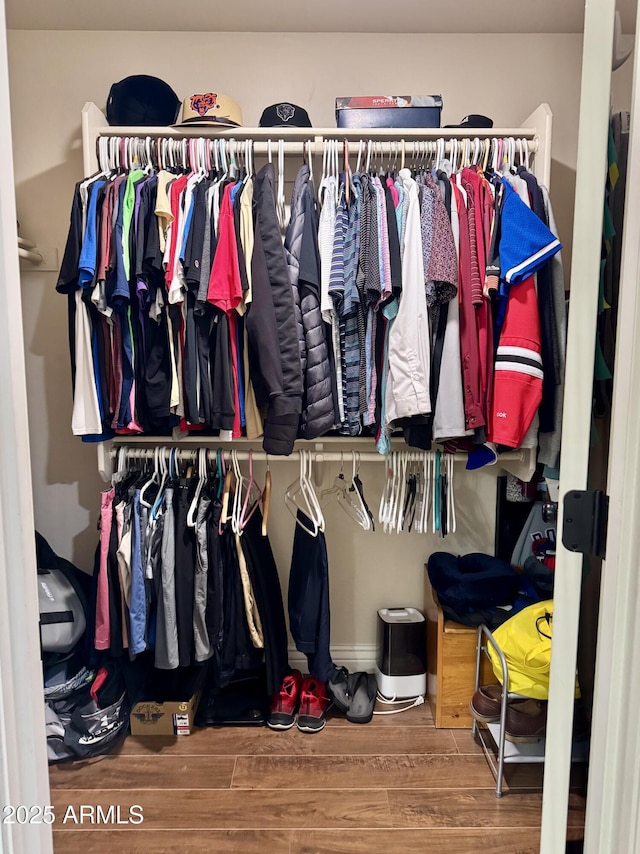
[(227, 153)]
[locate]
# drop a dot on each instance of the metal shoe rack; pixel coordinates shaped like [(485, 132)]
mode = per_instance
[(499, 751)]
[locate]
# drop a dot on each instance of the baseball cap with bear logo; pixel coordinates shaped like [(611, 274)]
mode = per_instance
[(285, 115), (210, 108)]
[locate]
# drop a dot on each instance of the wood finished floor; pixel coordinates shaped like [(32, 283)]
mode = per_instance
[(393, 786)]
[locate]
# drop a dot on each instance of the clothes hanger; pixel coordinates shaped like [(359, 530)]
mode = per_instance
[(237, 493), (252, 486), (154, 480), (620, 55), (226, 491), (402, 488), (309, 152), (121, 467), (359, 159), (266, 499), (347, 178), (280, 201), (409, 511), (339, 484), (436, 494), (202, 479), (315, 503), (451, 516), (164, 473), (296, 498), (475, 156), (419, 497), (350, 499), (385, 498), (391, 508), (221, 472)]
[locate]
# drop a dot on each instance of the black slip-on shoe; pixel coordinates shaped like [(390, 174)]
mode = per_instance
[(363, 700), (339, 689)]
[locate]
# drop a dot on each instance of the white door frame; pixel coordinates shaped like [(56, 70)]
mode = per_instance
[(24, 775)]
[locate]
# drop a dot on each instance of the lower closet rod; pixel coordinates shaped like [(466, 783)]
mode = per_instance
[(261, 456)]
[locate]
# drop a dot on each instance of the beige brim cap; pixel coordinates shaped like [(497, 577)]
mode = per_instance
[(210, 109)]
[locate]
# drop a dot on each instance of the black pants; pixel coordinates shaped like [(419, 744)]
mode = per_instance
[(309, 616), (268, 595), (185, 557)]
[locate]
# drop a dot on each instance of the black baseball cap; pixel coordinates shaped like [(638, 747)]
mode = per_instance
[(473, 121), (142, 100), (285, 115)]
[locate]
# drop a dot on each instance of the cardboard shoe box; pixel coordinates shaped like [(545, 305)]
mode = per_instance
[(150, 718), (389, 111)]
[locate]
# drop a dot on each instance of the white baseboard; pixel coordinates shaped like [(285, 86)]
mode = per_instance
[(352, 656)]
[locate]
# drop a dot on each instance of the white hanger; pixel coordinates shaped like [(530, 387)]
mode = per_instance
[(386, 491), (309, 153), (359, 160), (153, 480), (476, 151), (202, 479), (252, 489), (121, 468), (420, 493), (451, 507), (280, 200), (319, 516), (237, 495), (619, 55), (454, 155), (402, 488), (296, 497)]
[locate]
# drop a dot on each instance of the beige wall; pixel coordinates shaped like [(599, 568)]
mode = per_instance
[(54, 73)]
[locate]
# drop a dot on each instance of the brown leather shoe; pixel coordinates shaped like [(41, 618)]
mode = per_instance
[(526, 721), (485, 703)]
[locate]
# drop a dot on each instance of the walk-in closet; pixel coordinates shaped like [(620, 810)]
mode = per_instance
[(275, 381)]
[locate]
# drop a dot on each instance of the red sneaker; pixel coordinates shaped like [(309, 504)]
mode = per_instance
[(313, 704), (285, 704)]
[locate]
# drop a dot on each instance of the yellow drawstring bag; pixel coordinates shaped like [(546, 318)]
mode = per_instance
[(525, 640)]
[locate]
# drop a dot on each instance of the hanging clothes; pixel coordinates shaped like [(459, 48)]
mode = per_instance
[(384, 310), (175, 588)]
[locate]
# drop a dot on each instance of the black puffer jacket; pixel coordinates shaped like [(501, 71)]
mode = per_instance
[(292, 250)]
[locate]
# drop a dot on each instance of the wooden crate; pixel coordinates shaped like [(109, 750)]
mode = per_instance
[(451, 655)]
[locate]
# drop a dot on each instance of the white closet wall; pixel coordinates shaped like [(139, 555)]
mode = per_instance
[(54, 73)]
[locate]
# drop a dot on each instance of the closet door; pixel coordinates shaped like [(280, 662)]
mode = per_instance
[(613, 802), (23, 759), (576, 427)]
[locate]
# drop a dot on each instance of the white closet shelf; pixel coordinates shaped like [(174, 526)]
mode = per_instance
[(315, 134), (536, 129)]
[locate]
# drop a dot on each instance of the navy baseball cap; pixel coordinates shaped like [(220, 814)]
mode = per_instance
[(142, 100), (285, 115), (473, 121)]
